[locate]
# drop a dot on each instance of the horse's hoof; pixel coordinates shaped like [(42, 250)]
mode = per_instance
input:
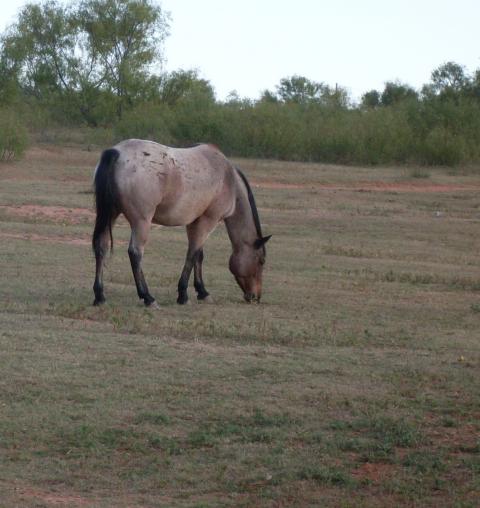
[(183, 302), (207, 299), (97, 303), (153, 305)]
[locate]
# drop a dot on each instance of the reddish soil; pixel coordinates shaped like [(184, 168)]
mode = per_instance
[(52, 499), (462, 438), (279, 185), (373, 472), (58, 499), (375, 186)]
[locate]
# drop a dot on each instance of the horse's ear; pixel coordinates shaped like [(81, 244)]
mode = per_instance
[(262, 241)]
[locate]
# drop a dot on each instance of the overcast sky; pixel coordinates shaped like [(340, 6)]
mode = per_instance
[(249, 45)]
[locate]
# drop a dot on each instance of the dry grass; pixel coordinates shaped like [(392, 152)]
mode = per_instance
[(356, 383)]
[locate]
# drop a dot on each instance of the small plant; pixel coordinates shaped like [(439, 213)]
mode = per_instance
[(419, 173), (152, 418), (475, 307), (200, 439), (325, 475), (424, 461)]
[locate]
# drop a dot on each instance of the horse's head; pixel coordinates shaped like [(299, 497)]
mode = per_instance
[(246, 265)]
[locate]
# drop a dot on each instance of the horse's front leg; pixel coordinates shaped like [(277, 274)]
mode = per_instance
[(182, 298), (197, 233), (136, 249), (202, 293)]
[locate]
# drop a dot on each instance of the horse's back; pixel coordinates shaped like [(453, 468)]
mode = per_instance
[(173, 186)]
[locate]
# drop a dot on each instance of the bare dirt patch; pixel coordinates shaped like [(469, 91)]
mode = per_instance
[(411, 187), (373, 472), (57, 214), (462, 438), (53, 499), (376, 186), (42, 238), (21, 494), (280, 185)]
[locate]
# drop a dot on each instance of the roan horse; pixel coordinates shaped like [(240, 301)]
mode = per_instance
[(193, 187)]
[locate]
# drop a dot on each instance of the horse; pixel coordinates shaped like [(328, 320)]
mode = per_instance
[(195, 187)]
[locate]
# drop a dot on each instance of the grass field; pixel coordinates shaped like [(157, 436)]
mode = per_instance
[(355, 383)]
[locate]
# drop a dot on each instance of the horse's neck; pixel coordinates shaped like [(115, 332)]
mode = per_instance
[(240, 225)]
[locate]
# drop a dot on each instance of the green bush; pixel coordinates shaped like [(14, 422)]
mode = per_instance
[(13, 136), (432, 131), (444, 148), (435, 132), (146, 121)]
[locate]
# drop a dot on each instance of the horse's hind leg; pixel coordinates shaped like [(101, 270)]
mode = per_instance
[(136, 248), (101, 249)]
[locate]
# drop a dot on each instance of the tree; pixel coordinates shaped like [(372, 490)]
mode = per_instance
[(299, 89), (268, 97), (39, 50), (371, 99), (180, 85), (123, 39), (395, 92), (102, 50), (336, 98), (9, 89), (450, 82), (449, 78), (474, 88)]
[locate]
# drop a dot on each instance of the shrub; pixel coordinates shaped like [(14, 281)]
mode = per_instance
[(146, 121), (13, 136), (444, 148)]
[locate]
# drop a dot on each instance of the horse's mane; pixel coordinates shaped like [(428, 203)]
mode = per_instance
[(253, 206)]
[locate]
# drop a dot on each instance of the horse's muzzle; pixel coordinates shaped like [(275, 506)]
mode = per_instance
[(251, 298)]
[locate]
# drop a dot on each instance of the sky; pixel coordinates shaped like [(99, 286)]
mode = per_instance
[(249, 45)]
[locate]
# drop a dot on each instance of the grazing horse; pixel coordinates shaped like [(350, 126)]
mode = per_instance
[(193, 187)]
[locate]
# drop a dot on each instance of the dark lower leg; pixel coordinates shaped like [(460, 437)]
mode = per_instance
[(197, 233), (142, 288), (98, 287), (98, 284), (202, 293), (183, 281)]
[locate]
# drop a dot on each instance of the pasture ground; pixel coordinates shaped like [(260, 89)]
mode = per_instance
[(355, 383)]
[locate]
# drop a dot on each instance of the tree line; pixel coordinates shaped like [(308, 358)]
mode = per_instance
[(98, 63)]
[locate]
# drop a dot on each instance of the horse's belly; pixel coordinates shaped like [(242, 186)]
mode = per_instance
[(187, 201), (177, 215), (171, 219)]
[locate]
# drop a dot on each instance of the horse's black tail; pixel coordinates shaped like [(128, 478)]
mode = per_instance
[(106, 196)]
